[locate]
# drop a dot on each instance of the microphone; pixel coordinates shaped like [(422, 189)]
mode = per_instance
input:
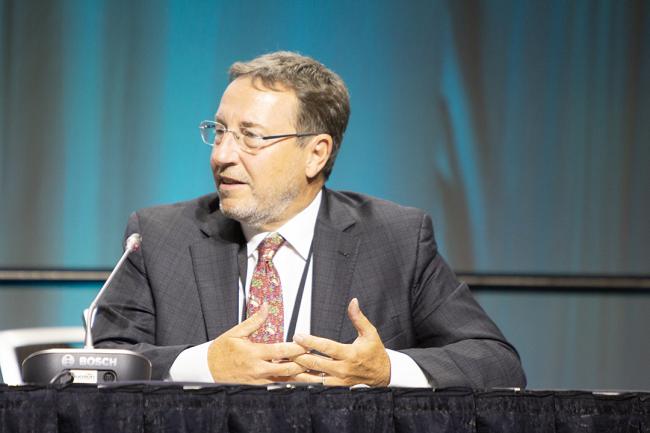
[(89, 365), (132, 244)]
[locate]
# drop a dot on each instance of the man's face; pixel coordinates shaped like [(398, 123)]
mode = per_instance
[(265, 189)]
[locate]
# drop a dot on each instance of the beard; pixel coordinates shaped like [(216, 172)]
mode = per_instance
[(262, 210)]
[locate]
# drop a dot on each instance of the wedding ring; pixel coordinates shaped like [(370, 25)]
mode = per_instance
[(322, 379)]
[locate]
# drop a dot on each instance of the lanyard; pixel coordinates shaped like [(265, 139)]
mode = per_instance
[(298, 300)]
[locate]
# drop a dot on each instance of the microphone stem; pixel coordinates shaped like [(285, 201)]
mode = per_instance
[(89, 314)]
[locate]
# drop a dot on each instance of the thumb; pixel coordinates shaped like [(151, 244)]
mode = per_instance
[(359, 320), (250, 325)]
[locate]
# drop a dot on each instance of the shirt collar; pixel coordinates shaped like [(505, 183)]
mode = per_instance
[(298, 231)]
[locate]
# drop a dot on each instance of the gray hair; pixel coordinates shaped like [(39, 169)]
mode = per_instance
[(324, 102)]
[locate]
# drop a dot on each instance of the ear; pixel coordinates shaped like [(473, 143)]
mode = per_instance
[(319, 150)]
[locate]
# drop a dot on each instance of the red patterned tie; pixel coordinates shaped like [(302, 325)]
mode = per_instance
[(266, 287)]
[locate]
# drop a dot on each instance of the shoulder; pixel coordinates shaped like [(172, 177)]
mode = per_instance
[(180, 218), (391, 233), (194, 209), (373, 211)]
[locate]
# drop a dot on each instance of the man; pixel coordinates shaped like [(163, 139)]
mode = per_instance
[(221, 282)]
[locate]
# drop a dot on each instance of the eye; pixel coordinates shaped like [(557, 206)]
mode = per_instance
[(249, 134)]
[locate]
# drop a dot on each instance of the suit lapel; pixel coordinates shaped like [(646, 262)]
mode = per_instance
[(216, 270), (335, 256)]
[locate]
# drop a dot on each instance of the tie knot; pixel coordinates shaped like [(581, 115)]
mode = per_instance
[(270, 245)]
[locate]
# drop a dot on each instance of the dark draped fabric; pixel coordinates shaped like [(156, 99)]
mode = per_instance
[(170, 408)]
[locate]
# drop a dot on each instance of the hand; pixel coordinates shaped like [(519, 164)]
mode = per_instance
[(363, 361), (233, 358)]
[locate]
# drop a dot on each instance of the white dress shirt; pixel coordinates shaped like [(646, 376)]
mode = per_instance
[(191, 365)]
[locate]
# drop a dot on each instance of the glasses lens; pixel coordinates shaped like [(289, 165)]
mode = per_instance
[(250, 143), (212, 133), (208, 132)]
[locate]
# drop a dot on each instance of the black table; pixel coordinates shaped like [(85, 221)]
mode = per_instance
[(173, 408)]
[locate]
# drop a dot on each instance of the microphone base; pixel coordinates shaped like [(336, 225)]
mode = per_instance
[(85, 366)]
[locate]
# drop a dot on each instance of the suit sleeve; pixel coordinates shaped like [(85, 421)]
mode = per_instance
[(126, 315), (457, 343)]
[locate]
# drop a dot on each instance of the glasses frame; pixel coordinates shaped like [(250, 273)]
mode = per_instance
[(205, 124)]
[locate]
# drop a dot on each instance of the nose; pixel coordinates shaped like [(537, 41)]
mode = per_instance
[(225, 152)]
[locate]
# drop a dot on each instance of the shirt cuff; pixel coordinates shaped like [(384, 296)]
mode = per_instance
[(191, 365), (404, 372)]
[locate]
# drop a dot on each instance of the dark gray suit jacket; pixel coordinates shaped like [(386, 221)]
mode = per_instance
[(181, 288)]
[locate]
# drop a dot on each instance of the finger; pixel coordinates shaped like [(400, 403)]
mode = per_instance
[(282, 369), (319, 364), (308, 378), (360, 322), (250, 325), (328, 347), (319, 379), (282, 379), (278, 351)]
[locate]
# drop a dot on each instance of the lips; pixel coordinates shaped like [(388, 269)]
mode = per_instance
[(228, 181)]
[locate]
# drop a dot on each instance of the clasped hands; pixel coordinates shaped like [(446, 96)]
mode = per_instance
[(233, 358)]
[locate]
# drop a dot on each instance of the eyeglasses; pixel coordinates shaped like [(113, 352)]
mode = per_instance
[(213, 133)]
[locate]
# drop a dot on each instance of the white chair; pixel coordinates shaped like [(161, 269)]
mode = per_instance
[(17, 344)]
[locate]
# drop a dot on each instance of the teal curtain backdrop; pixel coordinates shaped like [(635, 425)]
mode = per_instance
[(521, 126)]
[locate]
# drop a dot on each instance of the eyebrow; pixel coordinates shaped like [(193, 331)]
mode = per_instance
[(244, 124), (247, 124)]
